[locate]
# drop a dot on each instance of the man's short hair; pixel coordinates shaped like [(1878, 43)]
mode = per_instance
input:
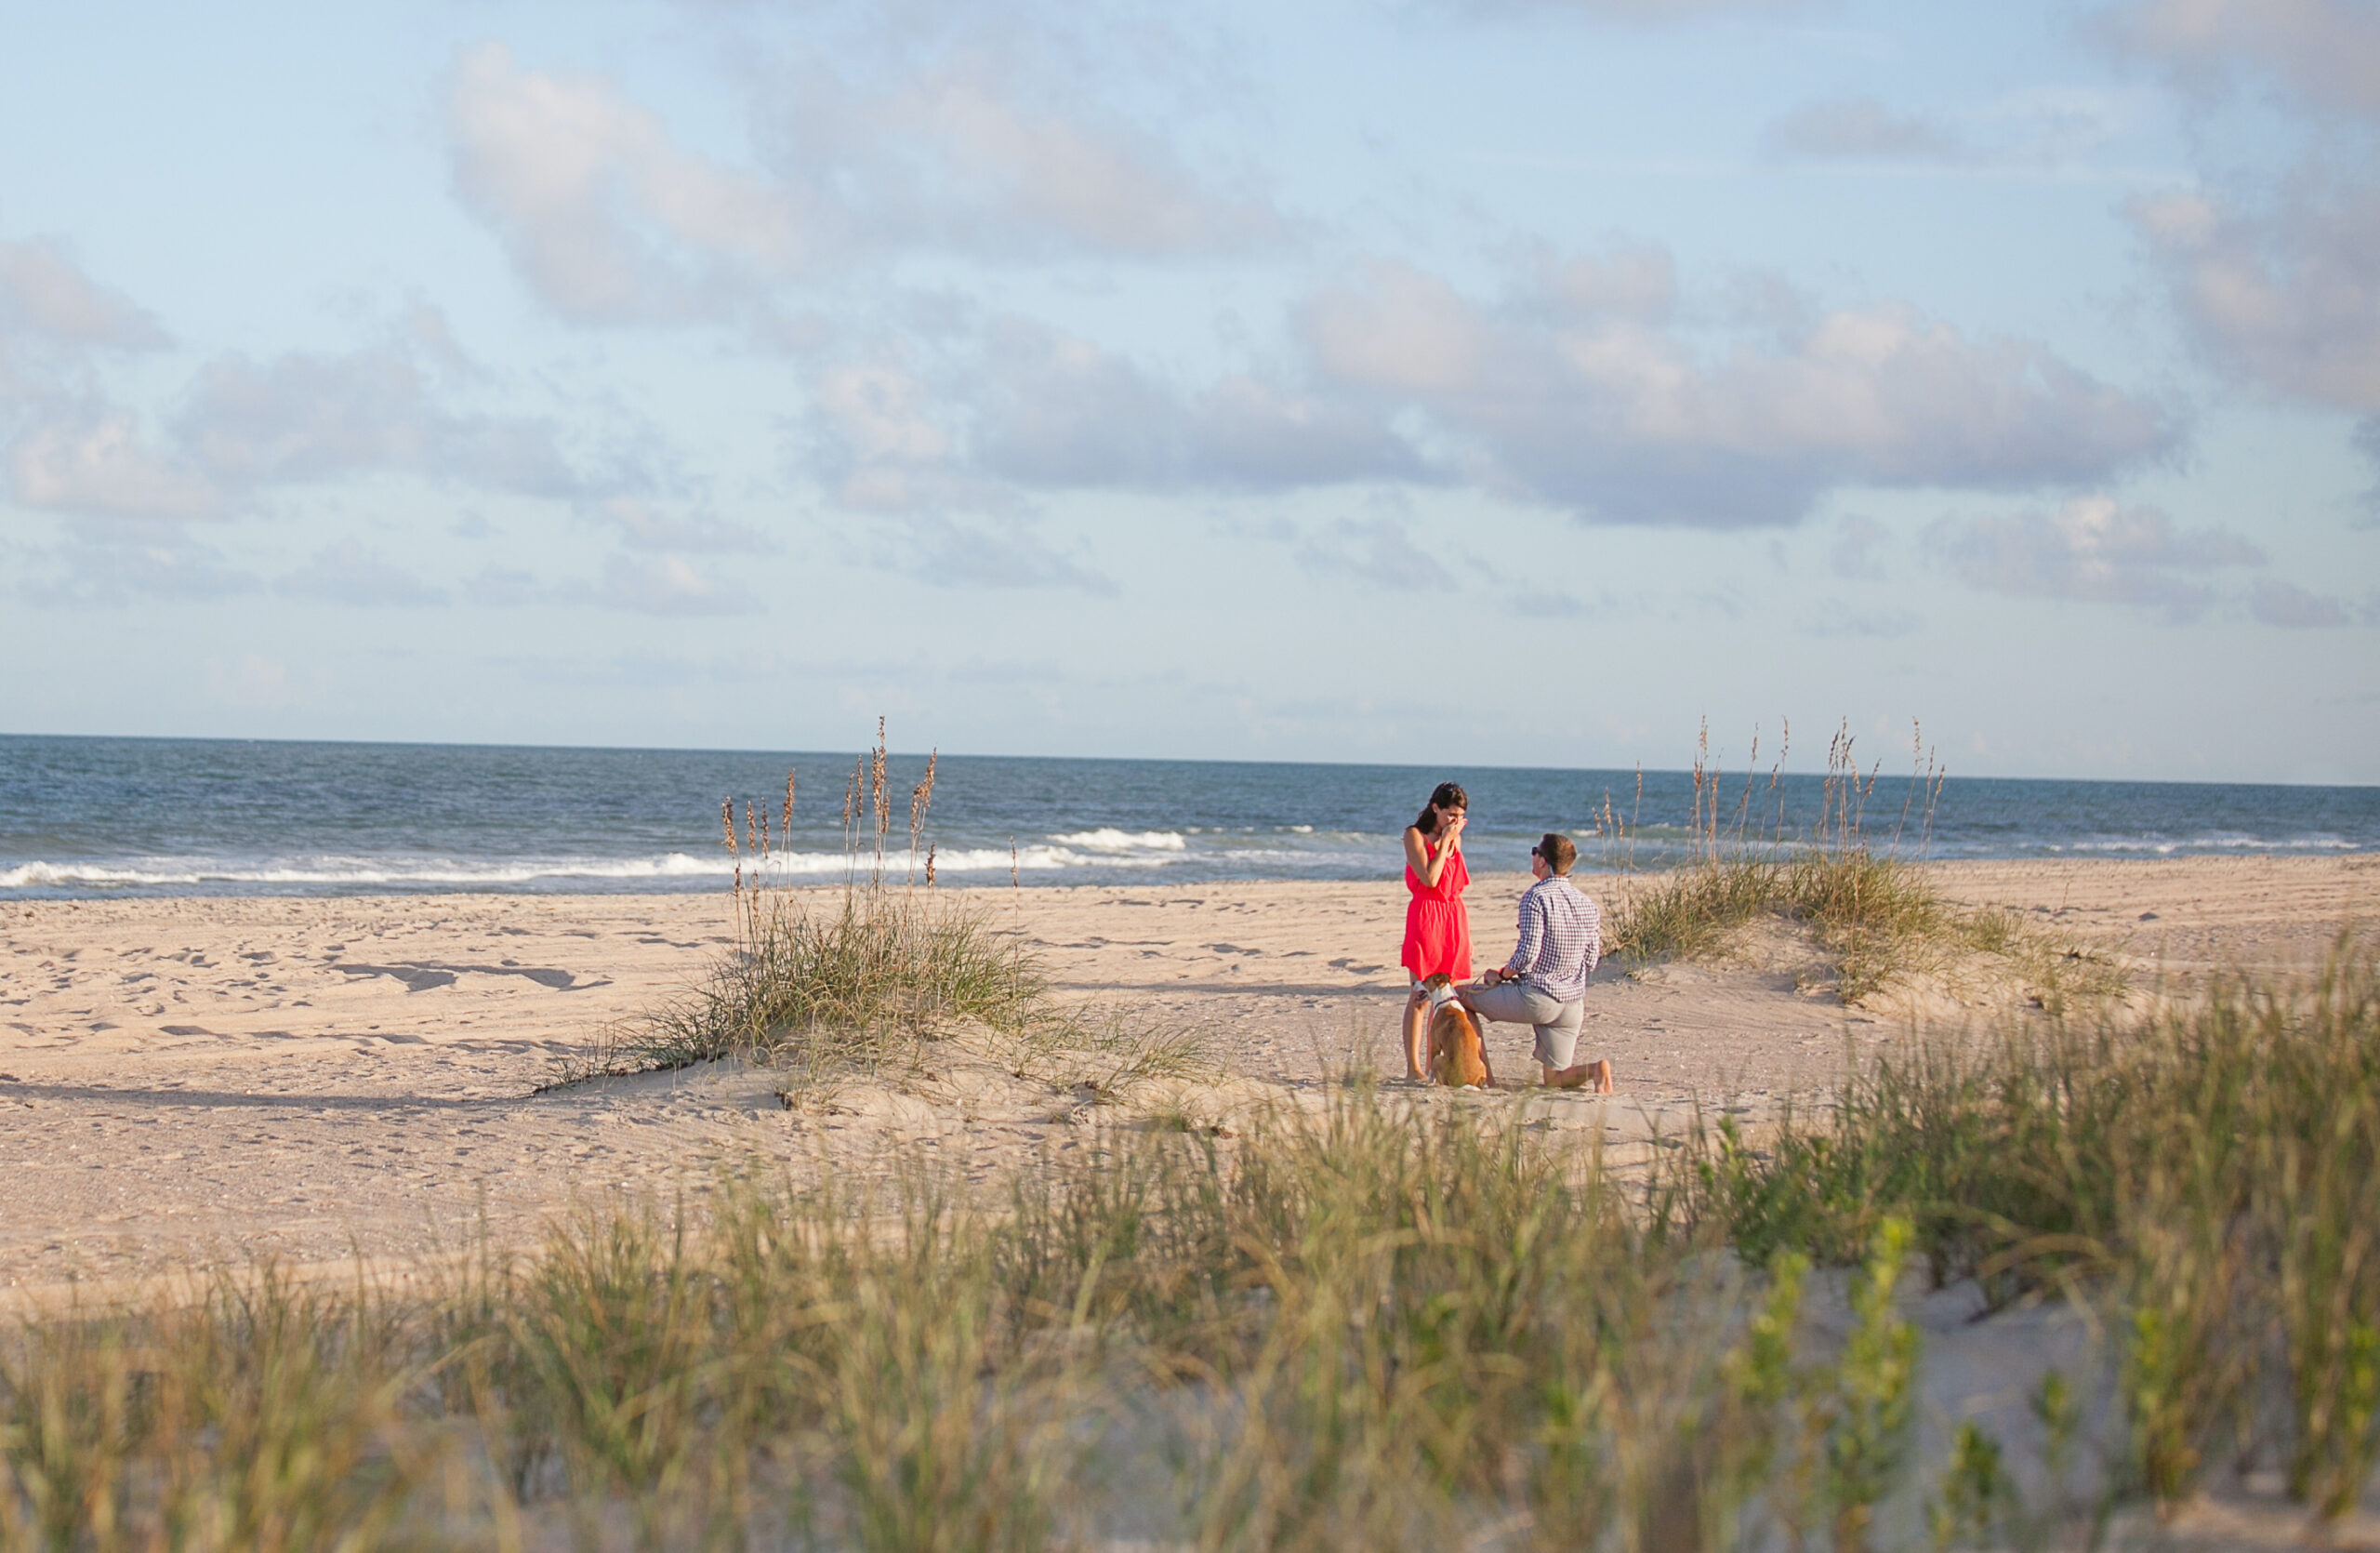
[(1558, 851)]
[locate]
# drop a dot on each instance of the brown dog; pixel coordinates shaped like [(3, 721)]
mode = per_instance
[(1455, 1057)]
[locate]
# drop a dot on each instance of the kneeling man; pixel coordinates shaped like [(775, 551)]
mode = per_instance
[(1544, 983)]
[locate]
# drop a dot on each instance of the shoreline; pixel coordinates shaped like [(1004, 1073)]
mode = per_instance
[(194, 1079), (898, 873)]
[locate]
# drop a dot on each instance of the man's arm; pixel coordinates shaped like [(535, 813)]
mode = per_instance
[(1532, 936)]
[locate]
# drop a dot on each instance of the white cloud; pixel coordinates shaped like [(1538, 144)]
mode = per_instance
[(1857, 548), (609, 219), (1838, 618), (41, 290), (503, 588), (2039, 127), (1375, 550), (2275, 603), (2367, 442), (2325, 53), (2278, 284), (427, 330), (670, 585), (1056, 410), (1635, 280), (1017, 406), (1863, 128), (646, 526), (350, 575), (1548, 605), (2091, 548), (952, 552), (1393, 329), (2287, 298), (1640, 12), (64, 444), (115, 564), (1246, 430), (1584, 389), (604, 215), (880, 441), (2056, 122), (244, 424), (98, 462), (1619, 419), (988, 151), (303, 416)]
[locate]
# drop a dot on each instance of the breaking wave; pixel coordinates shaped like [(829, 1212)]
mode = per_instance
[(1103, 848)]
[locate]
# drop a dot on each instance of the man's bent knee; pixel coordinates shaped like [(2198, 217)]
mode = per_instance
[(1509, 1003)]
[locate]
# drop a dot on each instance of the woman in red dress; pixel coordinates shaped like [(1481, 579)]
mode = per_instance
[(1437, 928)]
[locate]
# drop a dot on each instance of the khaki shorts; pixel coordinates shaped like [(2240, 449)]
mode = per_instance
[(1516, 1003)]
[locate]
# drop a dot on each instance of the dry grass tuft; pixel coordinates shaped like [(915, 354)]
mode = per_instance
[(831, 985), (1871, 909)]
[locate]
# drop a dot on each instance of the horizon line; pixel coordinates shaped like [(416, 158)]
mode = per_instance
[(1948, 774)]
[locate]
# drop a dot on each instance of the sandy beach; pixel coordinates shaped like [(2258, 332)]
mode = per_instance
[(186, 1081)]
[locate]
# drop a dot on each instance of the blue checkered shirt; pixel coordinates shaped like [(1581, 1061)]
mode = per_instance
[(1561, 940)]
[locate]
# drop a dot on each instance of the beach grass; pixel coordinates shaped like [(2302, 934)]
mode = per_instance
[(1866, 899), (1360, 1321), (825, 983), (855, 974), (2211, 1168)]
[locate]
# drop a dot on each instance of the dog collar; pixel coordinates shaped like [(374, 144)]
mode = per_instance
[(1441, 996)]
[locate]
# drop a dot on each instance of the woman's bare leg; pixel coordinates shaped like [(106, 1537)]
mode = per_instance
[(1416, 1032)]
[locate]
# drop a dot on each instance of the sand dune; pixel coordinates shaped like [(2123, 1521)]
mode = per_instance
[(189, 1081)]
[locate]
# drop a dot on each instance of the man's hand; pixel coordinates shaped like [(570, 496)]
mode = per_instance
[(1492, 976)]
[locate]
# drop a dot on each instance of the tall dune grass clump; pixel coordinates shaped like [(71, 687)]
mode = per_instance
[(855, 973), (1864, 897), (2211, 1170)]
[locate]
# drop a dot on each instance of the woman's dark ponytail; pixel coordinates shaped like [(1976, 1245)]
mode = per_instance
[(1448, 796)]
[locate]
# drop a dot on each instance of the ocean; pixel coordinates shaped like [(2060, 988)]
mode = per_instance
[(120, 816)]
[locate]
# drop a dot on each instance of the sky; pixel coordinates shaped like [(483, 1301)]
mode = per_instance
[(1526, 383)]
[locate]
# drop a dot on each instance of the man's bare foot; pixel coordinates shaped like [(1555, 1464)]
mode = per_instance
[(1593, 1077)]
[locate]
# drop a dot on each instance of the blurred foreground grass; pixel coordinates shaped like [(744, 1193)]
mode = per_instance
[(1366, 1324)]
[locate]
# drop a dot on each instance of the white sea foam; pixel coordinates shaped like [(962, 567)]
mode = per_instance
[(1109, 839), (2229, 841), (38, 874), (1026, 859), (1091, 849)]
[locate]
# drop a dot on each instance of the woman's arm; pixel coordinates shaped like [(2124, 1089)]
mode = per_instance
[(1418, 858)]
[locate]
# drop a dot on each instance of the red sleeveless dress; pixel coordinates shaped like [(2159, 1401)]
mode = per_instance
[(1437, 928)]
